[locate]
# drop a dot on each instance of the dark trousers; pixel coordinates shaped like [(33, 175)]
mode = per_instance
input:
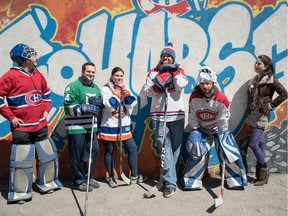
[(20, 137), (79, 148), (132, 156)]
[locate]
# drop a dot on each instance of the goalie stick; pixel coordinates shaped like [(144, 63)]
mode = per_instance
[(219, 200), (159, 185), (89, 166), (123, 176)]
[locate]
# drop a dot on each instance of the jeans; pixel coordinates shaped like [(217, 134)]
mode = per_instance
[(132, 156), (173, 141), (79, 148), (257, 144)]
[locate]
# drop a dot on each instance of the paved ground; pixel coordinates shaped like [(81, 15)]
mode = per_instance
[(128, 200)]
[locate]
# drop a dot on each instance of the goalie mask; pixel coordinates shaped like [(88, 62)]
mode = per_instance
[(21, 53), (206, 74)]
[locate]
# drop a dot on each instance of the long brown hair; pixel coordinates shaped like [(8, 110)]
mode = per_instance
[(114, 70), (269, 64)]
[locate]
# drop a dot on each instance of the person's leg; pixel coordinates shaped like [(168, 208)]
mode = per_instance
[(132, 155), (174, 138), (21, 167), (77, 144), (257, 144), (108, 157), (109, 163)]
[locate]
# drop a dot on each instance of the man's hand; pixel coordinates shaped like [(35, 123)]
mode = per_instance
[(89, 109), (16, 122), (168, 68)]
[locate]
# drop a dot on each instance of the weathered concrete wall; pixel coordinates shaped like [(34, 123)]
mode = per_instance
[(226, 35)]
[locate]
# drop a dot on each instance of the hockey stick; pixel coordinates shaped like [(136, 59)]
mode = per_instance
[(157, 187), (123, 176), (219, 200), (89, 166)]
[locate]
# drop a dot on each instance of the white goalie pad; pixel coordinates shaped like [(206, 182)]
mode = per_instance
[(21, 172), (48, 167)]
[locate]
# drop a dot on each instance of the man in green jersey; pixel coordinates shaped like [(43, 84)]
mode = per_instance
[(82, 101)]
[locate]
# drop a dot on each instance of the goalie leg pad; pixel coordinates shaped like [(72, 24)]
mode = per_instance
[(21, 172), (48, 166), (229, 146), (194, 171), (235, 172)]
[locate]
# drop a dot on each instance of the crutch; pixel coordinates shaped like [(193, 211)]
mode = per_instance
[(89, 166), (159, 185)]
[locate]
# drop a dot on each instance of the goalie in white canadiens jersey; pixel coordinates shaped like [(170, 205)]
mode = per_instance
[(208, 117)]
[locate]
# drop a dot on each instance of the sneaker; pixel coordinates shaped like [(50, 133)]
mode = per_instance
[(138, 179), (112, 182), (93, 183), (83, 187), (168, 192)]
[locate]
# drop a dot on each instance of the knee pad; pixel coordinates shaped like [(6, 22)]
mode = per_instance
[(48, 165), (21, 172)]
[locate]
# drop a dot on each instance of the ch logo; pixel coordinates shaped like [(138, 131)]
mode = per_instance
[(33, 98)]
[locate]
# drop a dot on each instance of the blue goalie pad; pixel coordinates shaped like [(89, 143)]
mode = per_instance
[(48, 167), (21, 172), (229, 146)]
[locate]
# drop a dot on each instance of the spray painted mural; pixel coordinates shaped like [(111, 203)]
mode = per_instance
[(226, 35)]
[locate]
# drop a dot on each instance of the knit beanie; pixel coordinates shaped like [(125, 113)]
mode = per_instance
[(169, 50)]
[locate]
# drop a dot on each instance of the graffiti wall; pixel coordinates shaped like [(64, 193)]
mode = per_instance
[(225, 35)]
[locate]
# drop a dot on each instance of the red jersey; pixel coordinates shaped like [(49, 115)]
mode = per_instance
[(27, 96)]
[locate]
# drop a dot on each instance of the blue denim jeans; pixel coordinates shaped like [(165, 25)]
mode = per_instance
[(173, 141)]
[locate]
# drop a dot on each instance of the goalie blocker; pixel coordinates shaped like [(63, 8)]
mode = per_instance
[(21, 169)]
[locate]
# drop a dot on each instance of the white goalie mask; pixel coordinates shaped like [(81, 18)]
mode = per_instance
[(206, 74)]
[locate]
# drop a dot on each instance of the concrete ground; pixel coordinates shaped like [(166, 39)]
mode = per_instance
[(270, 199)]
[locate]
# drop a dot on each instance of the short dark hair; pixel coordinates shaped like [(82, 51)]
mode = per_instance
[(86, 64)]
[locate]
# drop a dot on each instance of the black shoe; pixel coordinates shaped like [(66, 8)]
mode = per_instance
[(83, 187), (168, 192), (93, 183), (237, 188)]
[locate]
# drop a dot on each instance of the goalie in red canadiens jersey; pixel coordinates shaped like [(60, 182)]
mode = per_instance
[(208, 117), (28, 104)]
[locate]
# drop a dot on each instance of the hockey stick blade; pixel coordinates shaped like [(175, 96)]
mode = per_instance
[(218, 201), (153, 190), (125, 179)]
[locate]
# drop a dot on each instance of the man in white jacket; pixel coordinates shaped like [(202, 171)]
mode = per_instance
[(167, 79)]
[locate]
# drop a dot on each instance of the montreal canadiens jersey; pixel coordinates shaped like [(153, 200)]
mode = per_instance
[(27, 96), (211, 115), (175, 104)]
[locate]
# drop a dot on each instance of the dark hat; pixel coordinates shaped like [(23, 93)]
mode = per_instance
[(169, 50)]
